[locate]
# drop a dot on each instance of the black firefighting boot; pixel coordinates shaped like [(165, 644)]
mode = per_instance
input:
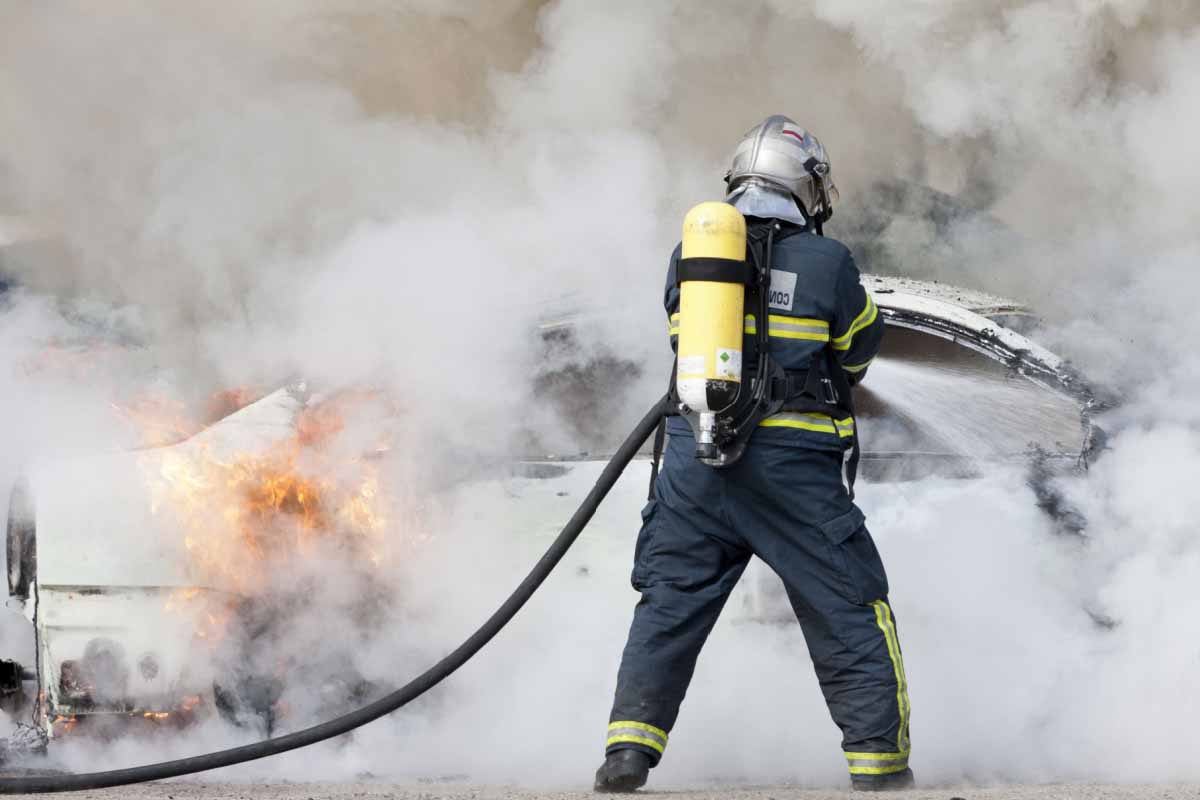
[(623, 771), (882, 783)]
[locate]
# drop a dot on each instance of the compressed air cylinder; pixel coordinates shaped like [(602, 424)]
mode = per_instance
[(712, 295)]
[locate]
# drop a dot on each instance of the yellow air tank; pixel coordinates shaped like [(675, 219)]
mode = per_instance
[(712, 292)]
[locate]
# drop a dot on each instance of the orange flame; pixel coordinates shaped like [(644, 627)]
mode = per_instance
[(61, 726), (226, 402), (158, 420), (246, 517)]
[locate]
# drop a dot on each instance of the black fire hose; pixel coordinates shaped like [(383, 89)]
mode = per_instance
[(384, 705)]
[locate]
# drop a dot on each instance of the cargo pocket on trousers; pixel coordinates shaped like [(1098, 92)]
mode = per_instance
[(640, 575), (854, 554)]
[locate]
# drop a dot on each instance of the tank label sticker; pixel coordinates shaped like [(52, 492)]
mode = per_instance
[(691, 366), (783, 289), (729, 364)]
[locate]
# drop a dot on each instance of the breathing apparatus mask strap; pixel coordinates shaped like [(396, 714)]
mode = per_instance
[(818, 170)]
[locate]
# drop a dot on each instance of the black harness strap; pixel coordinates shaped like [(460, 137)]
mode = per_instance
[(660, 438), (830, 396), (720, 270), (660, 434), (735, 434)]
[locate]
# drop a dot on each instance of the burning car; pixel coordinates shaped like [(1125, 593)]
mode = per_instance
[(139, 571), (145, 574)]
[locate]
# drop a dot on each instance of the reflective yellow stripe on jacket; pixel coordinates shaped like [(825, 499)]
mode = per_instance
[(813, 330), (821, 423), (854, 369), (863, 320), (778, 325)]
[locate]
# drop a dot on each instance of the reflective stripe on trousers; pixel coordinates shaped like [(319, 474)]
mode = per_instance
[(876, 763), (788, 506), (886, 763), (629, 732)]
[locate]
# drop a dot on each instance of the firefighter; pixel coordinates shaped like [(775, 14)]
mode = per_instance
[(787, 499)]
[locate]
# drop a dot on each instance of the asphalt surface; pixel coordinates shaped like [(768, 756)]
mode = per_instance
[(464, 791)]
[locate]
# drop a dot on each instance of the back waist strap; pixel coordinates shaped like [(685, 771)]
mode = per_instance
[(808, 391)]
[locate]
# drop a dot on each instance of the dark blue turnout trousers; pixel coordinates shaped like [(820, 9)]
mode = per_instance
[(788, 506)]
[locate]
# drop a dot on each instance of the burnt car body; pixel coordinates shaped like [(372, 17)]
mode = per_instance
[(959, 386), (957, 383), (104, 581)]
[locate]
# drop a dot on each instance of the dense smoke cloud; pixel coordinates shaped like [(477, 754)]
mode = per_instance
[(396, 195)]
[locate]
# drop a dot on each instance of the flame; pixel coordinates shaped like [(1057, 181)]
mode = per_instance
[(211, 614), (321, 423), (61, 726), (226, 402), (246, 517), (157, 420)]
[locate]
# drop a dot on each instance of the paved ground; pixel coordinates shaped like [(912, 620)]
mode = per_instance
[(457, 791)]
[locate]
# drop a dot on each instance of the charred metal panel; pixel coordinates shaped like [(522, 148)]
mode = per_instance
[(118, 649), (113, 604)]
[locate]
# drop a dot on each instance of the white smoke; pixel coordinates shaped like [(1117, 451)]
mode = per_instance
[(395, 195)]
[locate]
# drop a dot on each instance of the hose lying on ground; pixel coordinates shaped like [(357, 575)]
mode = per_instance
[(384, 705)]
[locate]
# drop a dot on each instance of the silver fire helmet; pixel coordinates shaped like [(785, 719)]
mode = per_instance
[(780, 152)]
